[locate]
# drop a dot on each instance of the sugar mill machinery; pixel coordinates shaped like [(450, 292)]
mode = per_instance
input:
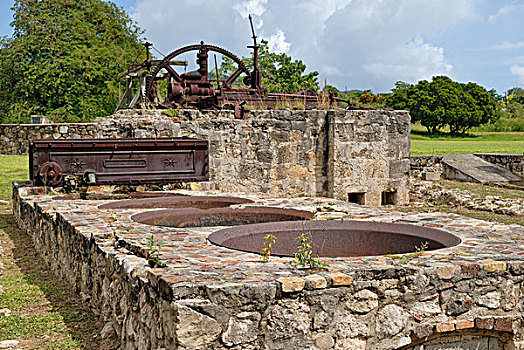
[(161, 86)]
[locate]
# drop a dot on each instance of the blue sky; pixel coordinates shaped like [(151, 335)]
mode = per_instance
[(364, 44)]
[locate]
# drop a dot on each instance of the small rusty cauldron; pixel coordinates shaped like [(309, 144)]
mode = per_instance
[(194, 217), (200, 202)]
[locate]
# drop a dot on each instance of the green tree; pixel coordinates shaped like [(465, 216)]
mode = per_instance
[(443, 102), (63, 59), (280, 73), (516, 94)]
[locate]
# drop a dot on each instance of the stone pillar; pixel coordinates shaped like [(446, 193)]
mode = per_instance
[(368, 160)]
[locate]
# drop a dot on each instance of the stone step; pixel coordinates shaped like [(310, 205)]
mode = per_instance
[(467, 167)]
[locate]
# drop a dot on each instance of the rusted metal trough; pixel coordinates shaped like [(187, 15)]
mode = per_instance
[(129, 161)]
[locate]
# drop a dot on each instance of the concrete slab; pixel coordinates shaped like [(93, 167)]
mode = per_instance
[(467, 167)]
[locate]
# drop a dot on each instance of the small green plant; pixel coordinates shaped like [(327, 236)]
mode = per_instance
[(407, 259), (305, 255), (153, 252), (173, 113), (269, 240)]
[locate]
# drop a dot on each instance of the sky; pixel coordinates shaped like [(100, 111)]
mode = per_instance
[(353, 44)]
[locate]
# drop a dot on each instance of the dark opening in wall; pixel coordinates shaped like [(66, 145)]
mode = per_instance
[(389, 197), (357, 197)]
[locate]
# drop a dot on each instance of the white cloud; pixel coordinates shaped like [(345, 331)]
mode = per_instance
[(277, 43), (506, 11), (376, 43), (419, 60), (508, 46), (253, 7), (518, 71), (358, 43), (172, 24)]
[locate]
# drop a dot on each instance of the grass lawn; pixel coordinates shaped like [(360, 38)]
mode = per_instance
[(12, 168), (479, 142), (44, 312)]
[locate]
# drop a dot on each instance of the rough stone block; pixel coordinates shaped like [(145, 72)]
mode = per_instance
[(195, 330), (292, 284), (398, 168), (423, 330), (490, 300), (363, 301), (340, 279), (242, 328), (469, 268), (445, 272), (316, 282), (503, 324), (431, 176), (493, 266), (484, 323), (324, 341), (391, 320), (444, 327)]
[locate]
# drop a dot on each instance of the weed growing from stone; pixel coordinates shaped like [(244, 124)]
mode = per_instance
[(408, 258), (153, 252), (305, 255), (269, 240), (173, 113)]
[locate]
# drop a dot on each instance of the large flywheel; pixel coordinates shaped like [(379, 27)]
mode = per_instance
[(191, 89)]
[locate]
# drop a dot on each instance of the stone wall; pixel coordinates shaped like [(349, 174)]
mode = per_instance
[(369, 157), (360, 156), (14, 138), (511, 162), (452, 304), (290, 153)]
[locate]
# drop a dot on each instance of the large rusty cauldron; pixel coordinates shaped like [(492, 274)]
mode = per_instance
[(332, 238)]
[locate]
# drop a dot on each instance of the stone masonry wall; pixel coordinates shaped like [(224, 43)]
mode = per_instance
[(369, 154), (290, 153), (284, 152), (14, 138), (459, 305), (511, 162)]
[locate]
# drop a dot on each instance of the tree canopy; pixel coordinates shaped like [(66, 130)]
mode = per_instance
[(444, 102), (63, 59), (280, 73)]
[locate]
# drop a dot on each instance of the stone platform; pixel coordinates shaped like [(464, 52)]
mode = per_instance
[(209, 297), (468, 167)]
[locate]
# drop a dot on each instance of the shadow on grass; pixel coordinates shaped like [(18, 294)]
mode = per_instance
[(427, 134), (63, 305)]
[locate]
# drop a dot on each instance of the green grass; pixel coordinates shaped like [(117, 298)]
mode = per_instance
[(479, 142), (45, 312), (503, 124), (12, 168)]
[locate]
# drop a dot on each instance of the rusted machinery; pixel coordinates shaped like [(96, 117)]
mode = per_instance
[(163, 87), (118, 161)]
